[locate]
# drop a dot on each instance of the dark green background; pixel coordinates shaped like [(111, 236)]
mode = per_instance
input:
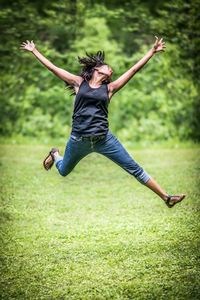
[(159, 103)]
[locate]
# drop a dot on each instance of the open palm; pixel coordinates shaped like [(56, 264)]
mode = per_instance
[(159, 45), (29, 46)]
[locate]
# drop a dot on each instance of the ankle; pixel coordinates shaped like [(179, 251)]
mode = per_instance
[(55, 155), (165, 197)]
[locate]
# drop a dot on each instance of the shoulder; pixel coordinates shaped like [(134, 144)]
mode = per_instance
[(79, 84), (78, 81), (111, 87)]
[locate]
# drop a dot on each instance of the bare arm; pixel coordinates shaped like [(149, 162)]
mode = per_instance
[(62, 74), (124, 78)]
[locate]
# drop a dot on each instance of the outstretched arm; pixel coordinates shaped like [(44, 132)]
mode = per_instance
[(124, 78), (62, 74)]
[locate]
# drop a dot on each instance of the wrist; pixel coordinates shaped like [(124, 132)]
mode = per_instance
[(153, 50), (34, 50)]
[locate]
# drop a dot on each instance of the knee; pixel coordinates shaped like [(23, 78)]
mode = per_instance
[(62, 169), (64, 173)]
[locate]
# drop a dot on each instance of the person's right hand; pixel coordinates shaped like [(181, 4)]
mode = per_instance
[(29, 46)]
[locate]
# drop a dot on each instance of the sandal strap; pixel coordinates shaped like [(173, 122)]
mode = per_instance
[(168, 201), (174, 201), (53, 150)]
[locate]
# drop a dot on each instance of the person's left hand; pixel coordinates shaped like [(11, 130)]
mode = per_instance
[(159, 45)]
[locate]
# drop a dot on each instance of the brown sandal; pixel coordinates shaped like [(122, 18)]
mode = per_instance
[(170, 202), (49, 160)]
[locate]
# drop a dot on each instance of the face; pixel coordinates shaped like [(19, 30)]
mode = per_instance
[(104, 70)]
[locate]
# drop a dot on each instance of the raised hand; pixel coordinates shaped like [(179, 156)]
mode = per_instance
[(159, 45), (29, 46)]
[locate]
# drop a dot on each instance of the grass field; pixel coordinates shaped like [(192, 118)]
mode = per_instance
[(98, 233)]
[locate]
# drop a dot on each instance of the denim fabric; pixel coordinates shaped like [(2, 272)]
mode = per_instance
[(109, 146)]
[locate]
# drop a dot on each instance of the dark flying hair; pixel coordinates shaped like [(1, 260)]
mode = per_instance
[(89, 62)]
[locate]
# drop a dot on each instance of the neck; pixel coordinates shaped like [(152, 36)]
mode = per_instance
[(96, 81)]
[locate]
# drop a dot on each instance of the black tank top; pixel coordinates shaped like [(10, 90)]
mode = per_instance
[(90, 115)]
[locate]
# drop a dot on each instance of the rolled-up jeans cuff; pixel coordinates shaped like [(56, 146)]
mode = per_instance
[(144, 177), (57, 159)]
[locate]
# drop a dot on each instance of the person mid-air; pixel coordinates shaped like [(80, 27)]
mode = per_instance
[(93, 90)]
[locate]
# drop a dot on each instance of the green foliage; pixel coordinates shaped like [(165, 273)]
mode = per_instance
[(161, 102), (158, 103)]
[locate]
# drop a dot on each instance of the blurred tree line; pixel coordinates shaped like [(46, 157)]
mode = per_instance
[(159, 103)]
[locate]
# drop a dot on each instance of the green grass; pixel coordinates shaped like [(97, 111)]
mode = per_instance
[(98, 233)]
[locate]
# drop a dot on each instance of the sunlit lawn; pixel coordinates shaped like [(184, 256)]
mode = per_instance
[(98, 233)]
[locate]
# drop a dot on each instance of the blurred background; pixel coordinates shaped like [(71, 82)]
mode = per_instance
[(160, 103), (99, 234)]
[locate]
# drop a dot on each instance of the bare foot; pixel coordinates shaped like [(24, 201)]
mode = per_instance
[(55, 154), (174, 199)]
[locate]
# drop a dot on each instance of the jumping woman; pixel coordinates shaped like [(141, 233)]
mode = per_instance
[(90, 131)]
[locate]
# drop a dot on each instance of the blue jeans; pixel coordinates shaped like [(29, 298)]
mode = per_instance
[(109, 146)]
